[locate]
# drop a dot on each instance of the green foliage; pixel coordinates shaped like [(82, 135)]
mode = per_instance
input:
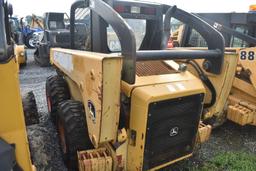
[(230, 161)]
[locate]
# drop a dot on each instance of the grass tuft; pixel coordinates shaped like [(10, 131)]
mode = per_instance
[(230, 161)]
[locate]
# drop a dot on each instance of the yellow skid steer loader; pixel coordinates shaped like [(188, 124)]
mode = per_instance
[(14, 148), (237, 93), (123, 103)]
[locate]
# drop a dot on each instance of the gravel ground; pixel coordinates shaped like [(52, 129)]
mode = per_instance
[(43, 138), (44, 142)]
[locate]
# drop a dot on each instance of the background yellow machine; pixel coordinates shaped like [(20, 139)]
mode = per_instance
[(20, 54), (242, 99), (236, 86), (134, 110), (12, 123)]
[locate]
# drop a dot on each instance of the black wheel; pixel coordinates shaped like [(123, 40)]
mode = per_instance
[(30, 109), (23, 65), (29, 41), (42, 61), (59, 72), (57, 91), (73, 132)]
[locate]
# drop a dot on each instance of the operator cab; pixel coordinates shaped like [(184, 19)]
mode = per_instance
[(228, 23), (143, 17)]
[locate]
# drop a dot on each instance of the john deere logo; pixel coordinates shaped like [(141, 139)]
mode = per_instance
[(174, 131)]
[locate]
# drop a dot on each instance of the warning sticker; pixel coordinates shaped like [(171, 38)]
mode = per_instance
[(64, 60), (180, 86), (171, 88)]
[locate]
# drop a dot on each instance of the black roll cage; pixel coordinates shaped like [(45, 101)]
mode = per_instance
[(102, 11), (74, 6), (224, 23)]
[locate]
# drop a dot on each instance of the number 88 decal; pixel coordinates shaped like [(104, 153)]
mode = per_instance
[(250, 56)]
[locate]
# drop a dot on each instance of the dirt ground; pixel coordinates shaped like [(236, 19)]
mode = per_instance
[(44, 142)]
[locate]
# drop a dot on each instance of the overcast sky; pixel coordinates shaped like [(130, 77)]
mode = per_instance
[(38, 7)]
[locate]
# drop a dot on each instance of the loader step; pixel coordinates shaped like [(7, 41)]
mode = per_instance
[(242, 113), (95, 160), (204, 132)]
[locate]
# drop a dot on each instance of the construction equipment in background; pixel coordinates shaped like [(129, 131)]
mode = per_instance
[(16, 30), (21, 55), (242, 99), (229, 24), (14, 149), (252, 8), (17, 38), (55, 35), (133, 110), (28, 35), (36, 22), (239, 32), (32, 30)]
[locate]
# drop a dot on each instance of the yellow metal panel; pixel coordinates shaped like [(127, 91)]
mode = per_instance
[(243, 90), (98, 78), (118, 153), (242, 100), (12, 123), (141, 98), (204, 132), (19, 51), (158, 79), (171, 162), (74, 90), (111, 98), (249, 65), (222, 83)]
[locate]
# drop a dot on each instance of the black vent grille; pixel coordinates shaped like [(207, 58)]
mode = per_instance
[(180, 114)]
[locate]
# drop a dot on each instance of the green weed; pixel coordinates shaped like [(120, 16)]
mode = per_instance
[(230, 161)]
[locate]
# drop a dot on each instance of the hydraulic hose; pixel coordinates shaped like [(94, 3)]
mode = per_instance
[(206, 81)]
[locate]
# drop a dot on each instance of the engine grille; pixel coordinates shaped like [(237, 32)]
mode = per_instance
[(147, 68), (180, 115)]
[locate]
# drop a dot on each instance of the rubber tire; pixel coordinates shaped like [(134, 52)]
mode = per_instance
[(30, 109), (27, 41), (57, 91), (42, 61), (71, 116), (59, 72)]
